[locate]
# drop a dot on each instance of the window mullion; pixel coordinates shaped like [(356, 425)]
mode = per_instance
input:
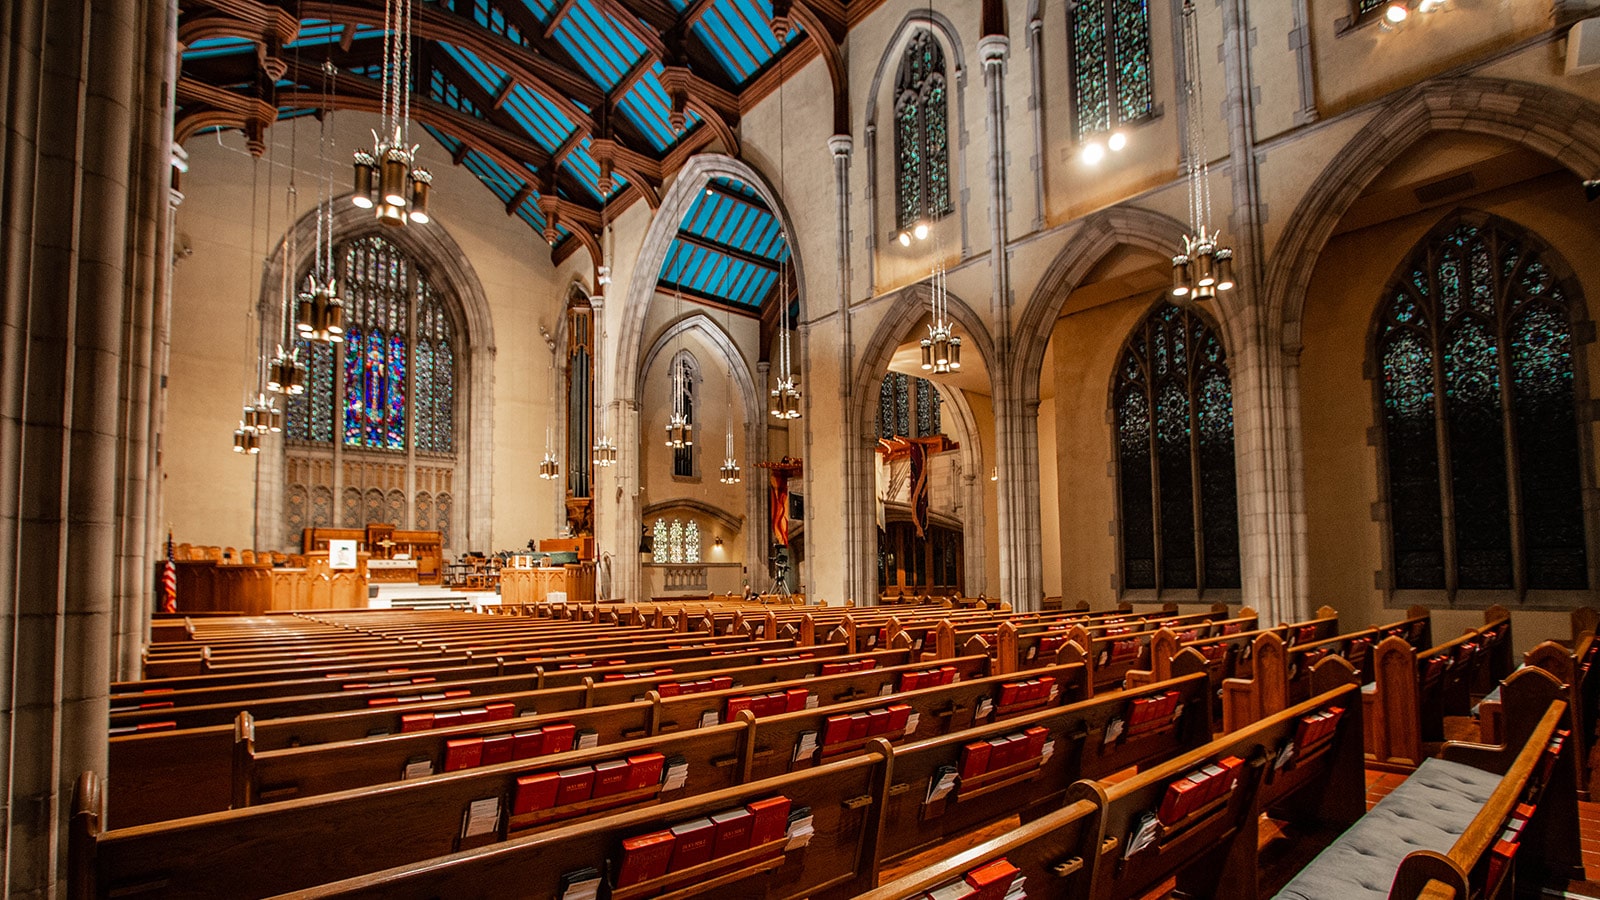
[(1441, 430), (413, 277), (1113, 87), (1503, 305), (1158, 553)]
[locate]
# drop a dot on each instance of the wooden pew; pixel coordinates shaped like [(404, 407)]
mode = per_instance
[(1434, 835), (170, 774), (1575, 668), (1079, 852), (1413, 691), (913, 823)]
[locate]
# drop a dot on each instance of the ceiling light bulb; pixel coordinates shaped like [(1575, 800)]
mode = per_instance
[(1117, 141), (1396, 12), (921, 231), (1093, 153)]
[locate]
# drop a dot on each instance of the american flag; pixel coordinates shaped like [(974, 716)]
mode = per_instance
[(169, 580)]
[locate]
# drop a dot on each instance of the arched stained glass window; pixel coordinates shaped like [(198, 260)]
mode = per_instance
[(922, 134), (378, 416), (689, 385), (1110, 64), (905, 401), (1173, 407), (691, 542), (1474, 346), (662, 544)]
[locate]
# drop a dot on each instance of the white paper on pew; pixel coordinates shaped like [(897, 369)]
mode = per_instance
[(805, 746), (985, 706), (954, 891), (1033, 651), (885, 690), (417, 768), (1113, 730), (800, 832), (1055, 691), (911, 722), (1049, 748), (918, 644), (709, 718), (677, 776), (483, 817), (1284, 755), (1143, 836), (588, 740), (941, 786), (811, 701)]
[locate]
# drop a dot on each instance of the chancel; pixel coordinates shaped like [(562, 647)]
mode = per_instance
[(1107, 450)]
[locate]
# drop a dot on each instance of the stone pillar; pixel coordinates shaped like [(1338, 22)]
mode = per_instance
[(1036, 107), (856, 542), (479, 513), (626, 577), (73, 116), (1266, 421)]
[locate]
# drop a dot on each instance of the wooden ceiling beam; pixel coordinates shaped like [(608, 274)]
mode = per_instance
[(715, 246)]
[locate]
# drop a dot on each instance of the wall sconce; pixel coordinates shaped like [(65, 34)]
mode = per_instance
[(717, 543), (994, 474)]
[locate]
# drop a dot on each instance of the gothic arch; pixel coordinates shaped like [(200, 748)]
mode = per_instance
[(910, 304), (448, 266), (1559, 125), (704, 327), (1095, 238)]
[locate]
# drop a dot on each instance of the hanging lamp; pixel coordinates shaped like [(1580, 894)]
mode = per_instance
[(941, 349), (680, 431), (319, 312), (387, 178), (786, 385), (729, 473), (1204, 267)]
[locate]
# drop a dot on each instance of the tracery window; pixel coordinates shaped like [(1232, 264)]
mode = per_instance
[(1173, 404), (662, 545), (1110, 64), (688, 385), (921, 134), (904, 401), (691, 542), (676, 542), (378, 417), (1475, 350)]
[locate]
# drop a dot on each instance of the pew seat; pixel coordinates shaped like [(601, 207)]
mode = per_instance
[(1427, 811)]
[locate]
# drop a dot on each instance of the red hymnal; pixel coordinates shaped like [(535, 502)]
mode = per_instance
[(858, 725), (878, 721), (738, 705), (975, 759), (644, 770), (947, 674), (610, 777), (732, 831), (1232, 766), (558, 738), (497, 748), (836, 730), (1036, 736), (1178, 801), (527, 744), (498, 711), (645, 857), (535, 792), (992, 880), (770, 820), (899, 715), (721, 682), (416, 722), (463, 753), (575, 786), (1009, 691), (692, 842), (794, 699)]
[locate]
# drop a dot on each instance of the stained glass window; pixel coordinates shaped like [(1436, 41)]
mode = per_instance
[(388, 389), (675, 541), (683, 457), (691, 542), (1474, 340), (1110, 64), (922, 133), (907, 407), (1173, 408), (663, 545)]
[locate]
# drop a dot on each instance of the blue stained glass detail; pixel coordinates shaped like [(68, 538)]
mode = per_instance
[(1091, 78), (1174, 418), (354, 406), (1110, 64), (395, 394), (922, 133), (1462, 325), (1135, 99)]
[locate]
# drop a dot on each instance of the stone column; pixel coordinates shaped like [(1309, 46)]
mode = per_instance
[(1036, 107), (71, 122), (1266, 424), (626, 576), (479, 513), (855, 543)]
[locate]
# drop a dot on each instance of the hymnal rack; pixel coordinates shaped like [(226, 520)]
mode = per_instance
[(696, 880)]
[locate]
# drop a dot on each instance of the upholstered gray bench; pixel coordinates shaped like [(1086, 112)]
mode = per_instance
[(1428, 811)]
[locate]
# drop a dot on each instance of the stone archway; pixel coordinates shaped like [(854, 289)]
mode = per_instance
[(620, 512)]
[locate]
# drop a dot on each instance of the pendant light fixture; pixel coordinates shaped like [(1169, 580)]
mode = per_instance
[(729, 473), (680, 431), (319, 312), (605, 449), (550, 466), (1204, 268), (941, 349), (258, 416), (786, 386), (402, 187)]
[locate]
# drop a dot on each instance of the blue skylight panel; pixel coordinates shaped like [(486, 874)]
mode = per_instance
[(548, 125), (601, 47), (646, 106), (206, 48), (734, 37), (489, 77), (449, 143)]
